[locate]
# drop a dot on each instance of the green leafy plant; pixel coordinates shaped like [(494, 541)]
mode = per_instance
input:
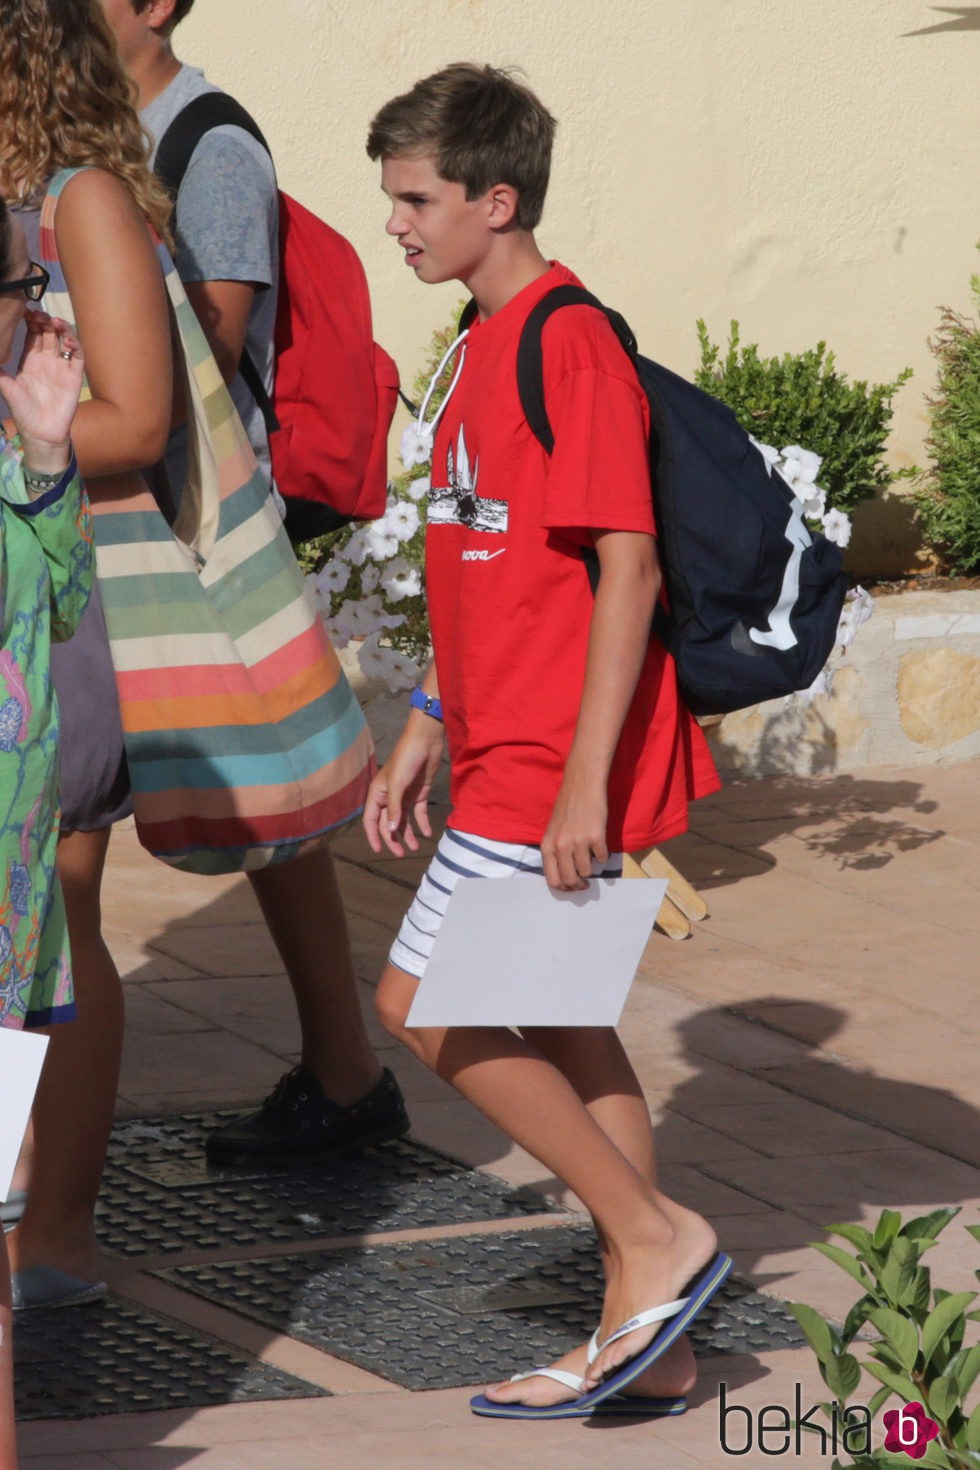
[(919, 1355), (947, 495), (802, 398)]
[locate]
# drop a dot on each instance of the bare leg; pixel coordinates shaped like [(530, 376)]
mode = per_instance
[(301, 903), (600, 1071), (8, 1442), (651, 1245), (74, 1107)]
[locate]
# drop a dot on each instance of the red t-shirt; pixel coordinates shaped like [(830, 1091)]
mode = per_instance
[(509, 594)]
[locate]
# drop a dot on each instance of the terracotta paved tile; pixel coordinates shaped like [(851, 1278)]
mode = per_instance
[(840, 1183), (711, 1189), (205, 1062), (932, 1115), (137, 960), (709, 1085), (228, 949), (256, 1008), (371, 897), (682, 1141), (150, 1010), (792, 1128)]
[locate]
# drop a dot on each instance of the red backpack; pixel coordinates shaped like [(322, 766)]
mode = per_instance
[(335, 388)]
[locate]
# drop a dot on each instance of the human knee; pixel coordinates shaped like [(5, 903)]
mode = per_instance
[(392, 1005)]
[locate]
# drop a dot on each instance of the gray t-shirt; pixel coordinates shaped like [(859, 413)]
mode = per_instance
[(227, 229)]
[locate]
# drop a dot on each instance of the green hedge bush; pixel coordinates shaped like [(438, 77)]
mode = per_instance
[(802, 398), (947, 495)]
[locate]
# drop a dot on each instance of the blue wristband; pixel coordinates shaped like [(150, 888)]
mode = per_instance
[(427, 703)]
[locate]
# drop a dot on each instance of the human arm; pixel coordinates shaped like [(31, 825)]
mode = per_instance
[(619, 631), (400, 790), (222, 308), (226, 227), (120, 306)]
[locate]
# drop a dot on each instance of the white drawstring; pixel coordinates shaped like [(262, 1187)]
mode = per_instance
[(425, 430)]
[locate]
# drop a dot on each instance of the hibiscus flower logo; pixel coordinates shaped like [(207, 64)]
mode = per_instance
[(909, 1430)]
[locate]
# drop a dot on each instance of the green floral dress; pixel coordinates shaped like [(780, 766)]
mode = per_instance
[(46, 569)]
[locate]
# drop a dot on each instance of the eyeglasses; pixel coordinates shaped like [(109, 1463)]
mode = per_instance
[(33, 286)]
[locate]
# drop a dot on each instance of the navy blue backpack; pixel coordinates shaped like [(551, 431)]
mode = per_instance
[(754, 595)]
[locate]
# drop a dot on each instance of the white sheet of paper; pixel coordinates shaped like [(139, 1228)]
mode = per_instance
[(512, 952), (21, 1055)]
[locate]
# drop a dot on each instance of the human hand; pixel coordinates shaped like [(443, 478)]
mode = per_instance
[(576, 834), (43, 396), (399, 792)]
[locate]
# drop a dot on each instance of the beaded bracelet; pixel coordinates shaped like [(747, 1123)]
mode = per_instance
[(40, 481)]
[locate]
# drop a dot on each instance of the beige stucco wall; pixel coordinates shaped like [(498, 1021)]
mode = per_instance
[(809, 167)]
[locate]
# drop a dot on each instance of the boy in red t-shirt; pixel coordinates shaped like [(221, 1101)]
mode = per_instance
[(567, 741)]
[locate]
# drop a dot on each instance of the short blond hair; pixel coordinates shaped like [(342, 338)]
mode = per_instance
[(480, 125)]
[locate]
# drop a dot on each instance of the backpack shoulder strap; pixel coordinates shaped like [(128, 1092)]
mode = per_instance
[(530, 359), (173, 156), (211, 110)]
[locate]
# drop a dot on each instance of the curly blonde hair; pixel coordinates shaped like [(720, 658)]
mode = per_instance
[(66, 102)]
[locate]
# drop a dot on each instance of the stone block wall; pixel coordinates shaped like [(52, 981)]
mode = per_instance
[(907, 692)]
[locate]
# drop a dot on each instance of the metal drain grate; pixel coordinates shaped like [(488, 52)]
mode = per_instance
[(463, 1311), (113, 1358), (159, 1196)]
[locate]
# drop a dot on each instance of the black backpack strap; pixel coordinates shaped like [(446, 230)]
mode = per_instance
[(173, 156), (530, 360), (530, 387), (176, 148), (468, 315)]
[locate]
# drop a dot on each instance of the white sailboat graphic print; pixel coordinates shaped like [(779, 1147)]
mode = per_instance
[(457, 503)]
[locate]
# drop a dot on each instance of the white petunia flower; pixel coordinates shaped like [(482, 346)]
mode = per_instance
[(837, 527), (331, 579), (339, 631), (381, 542), (402, 520), (373, 659), (394, 668), (815, 503), (800, 464), (859, 604), (357, 549), (361, 618), (770, 455), (419, 488), (401, 580), (857, 609), (403, 672), (416, 445), (370, 577), (370, 617), (822, 684)]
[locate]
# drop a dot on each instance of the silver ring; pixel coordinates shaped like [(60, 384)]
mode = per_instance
[(66, 354)]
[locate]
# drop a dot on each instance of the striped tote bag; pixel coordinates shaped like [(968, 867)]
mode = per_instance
[(245, 743)]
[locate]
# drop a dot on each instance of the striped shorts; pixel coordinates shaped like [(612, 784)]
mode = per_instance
[(462, 855)]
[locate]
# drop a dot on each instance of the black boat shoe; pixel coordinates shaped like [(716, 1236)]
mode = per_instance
[(298, 1123)]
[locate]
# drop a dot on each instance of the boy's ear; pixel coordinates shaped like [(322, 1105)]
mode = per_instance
[(159, 14), (503, 205)]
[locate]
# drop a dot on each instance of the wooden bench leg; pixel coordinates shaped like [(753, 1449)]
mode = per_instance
[(682, 904)]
